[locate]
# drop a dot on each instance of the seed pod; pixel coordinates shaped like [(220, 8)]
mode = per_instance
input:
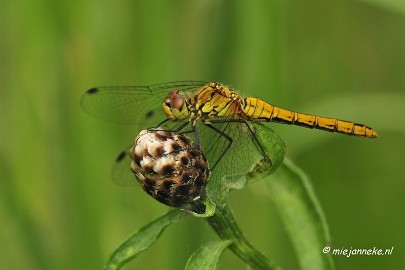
[(169, 167)]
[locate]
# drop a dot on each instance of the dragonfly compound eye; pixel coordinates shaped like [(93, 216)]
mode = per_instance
[(169, 167), (176, 102)]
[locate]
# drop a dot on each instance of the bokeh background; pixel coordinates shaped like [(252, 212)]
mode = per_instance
[(59, 208)]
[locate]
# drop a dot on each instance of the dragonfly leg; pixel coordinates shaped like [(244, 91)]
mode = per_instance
[(252, 134), (176, 130), (155, 127), (197, 139), (164, 121), (226, 136)]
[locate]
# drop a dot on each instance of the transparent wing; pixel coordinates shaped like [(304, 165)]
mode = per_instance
[(132, 104), (121, 172), (241, 155), (233, 163)]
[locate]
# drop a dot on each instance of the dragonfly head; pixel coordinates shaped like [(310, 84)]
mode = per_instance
[(175, 106)]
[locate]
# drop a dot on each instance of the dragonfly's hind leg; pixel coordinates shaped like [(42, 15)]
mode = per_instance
[(253, 135), (226, 136)]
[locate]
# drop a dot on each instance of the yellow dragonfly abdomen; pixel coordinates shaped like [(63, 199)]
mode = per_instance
[(257, 109)]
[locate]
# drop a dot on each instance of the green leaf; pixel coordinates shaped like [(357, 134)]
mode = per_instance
[(207, 204), (223, 221), (275, 149), (142, 239), (273, 145), (224, 224), (207, 256), (302, 215), (258, 167)]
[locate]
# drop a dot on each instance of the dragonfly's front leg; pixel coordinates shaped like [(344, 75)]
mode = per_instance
[(175, 130)]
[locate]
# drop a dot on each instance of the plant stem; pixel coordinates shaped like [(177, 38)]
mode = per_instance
[(224, 224)]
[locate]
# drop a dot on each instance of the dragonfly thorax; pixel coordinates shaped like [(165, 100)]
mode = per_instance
[(211, 101)]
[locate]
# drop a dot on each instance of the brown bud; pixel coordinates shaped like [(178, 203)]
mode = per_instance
[(169, 167)]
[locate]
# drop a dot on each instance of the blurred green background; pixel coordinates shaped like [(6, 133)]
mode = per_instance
[(58, 206)]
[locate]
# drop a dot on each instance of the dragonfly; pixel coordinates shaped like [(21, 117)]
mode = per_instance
[(221, 121)]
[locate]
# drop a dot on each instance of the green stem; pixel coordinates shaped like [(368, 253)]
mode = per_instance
[(224, 224)]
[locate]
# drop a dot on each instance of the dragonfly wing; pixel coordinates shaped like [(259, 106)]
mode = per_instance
[(121, 172), (132, 104), (234, 162)]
